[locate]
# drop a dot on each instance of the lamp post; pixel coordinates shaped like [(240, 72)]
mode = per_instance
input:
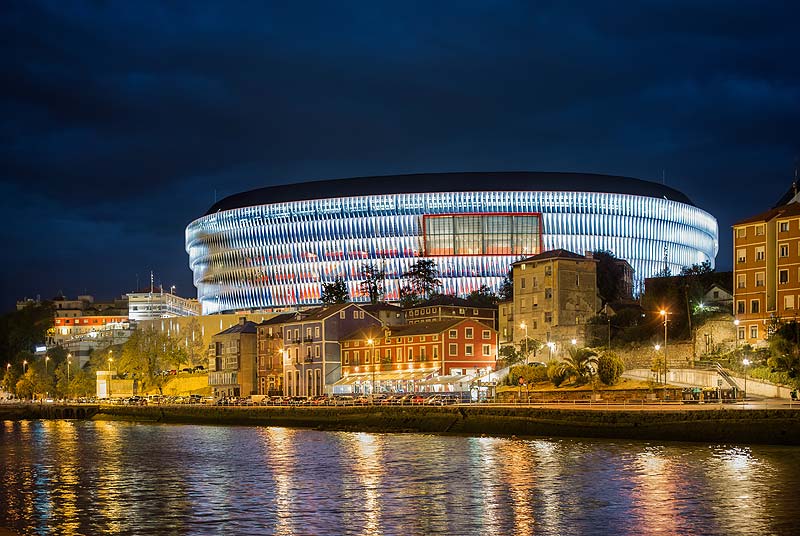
[(524, 326), (24, 366), (736, 335), (69, 362), (110, 360), (46, 359), (371, 344), (745, 362), (665, 314), (550, 347)]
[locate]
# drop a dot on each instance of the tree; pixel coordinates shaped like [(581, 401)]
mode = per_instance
[(195, 349), (423, 278), (609, 368), (510, 354), (610, 274), (335, 292), (506, 292), (784, 346), (21, 330), (483, 297), (580, 364), (146, 354), (372, 285)]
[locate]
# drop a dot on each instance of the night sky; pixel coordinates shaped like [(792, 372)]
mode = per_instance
[(123, 121)]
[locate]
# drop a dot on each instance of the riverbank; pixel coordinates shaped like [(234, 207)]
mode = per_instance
[(723, 425)]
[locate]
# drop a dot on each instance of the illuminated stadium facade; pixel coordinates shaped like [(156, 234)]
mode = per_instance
[(275, 247)]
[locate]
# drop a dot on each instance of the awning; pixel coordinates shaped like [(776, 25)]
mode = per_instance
[(386, 376), (445, 380)]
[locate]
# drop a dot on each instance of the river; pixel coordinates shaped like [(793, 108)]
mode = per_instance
[(85, 477)]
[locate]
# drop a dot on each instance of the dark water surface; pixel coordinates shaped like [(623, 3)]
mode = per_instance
[(84, 477)]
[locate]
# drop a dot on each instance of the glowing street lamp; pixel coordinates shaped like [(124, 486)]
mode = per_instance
[(46, 359), (524, 326), (371, 344), (736, 334), (69, 362), (574, 342), (745, 362), (110, 360), (551, 346), (24, 365)]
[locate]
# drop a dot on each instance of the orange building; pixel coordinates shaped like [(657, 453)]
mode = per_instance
[(397, 358), (766, 271)]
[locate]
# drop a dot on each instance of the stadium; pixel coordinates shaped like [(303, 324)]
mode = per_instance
[(275, 247)]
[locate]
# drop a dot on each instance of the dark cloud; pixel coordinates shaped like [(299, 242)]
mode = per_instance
[(120, 121)]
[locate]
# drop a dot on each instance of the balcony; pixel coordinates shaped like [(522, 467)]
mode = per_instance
[(308, 338), (296, 341), (308, 359)]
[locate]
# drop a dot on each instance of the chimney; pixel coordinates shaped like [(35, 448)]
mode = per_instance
[(242, 320)]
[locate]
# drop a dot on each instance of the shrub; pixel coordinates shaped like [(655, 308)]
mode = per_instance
[(556, 373), (609, 368), (530, 373)]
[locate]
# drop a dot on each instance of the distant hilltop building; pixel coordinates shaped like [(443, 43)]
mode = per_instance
[(277, 246), (155, 303)]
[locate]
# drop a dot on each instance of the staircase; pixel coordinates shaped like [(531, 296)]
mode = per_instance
[(725, 376)]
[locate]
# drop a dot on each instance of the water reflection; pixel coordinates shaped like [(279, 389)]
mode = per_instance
[(74, 477)]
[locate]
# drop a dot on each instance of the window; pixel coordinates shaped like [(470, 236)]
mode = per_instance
[(355, 357), (784, 250), (452, 349), (522, 267), (755, 306), (453, 334), (740, 307), (435, 353), (716, 294), (342, 315), (411, 354), (759, 230), (522, 303), (754, 331), (760, 253), (347, 358), (316, 351), (759, 279), (741, 280), (468, 350), (535, 282), (788, 302), (741, 333), (783, 276), (316, 331), (366, 357), (308, 333), (548, 317), (741, 232), (548, 293), (784, 226), (422, 353), (486, 334), (487, 350), (521, 282), (741, 256), (548, 270), (535, 300), (388, 354), (468, 332)]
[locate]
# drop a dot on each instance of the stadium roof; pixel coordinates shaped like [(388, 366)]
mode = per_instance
[(449, 182)]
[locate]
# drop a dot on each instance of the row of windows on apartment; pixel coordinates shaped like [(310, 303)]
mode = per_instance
[(548, 270), (783, 227), (535, 283), (783, 252), (452, 351), (755, 305), (433, 310), (783, 278), (753, 332), (469, 333)]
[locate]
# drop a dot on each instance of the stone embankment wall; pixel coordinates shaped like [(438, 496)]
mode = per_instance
[(779, 426), (679, 355), (710, 378)]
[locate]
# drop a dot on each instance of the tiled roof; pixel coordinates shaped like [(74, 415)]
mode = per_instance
[(555, 254), (247, 327), (792, 209), (421, 328), (279, 319)]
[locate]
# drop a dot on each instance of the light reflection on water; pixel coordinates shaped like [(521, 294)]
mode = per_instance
[(83, 477)]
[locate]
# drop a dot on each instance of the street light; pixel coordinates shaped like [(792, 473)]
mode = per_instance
[(745, 362), (524, 326), (69, 362), (110, 360), (46, 359), (24, 365), (736, 335), (371, 343), (665, 314), (551, 346), (574, 342)]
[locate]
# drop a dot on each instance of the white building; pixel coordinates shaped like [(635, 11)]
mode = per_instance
[(159, 304)]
